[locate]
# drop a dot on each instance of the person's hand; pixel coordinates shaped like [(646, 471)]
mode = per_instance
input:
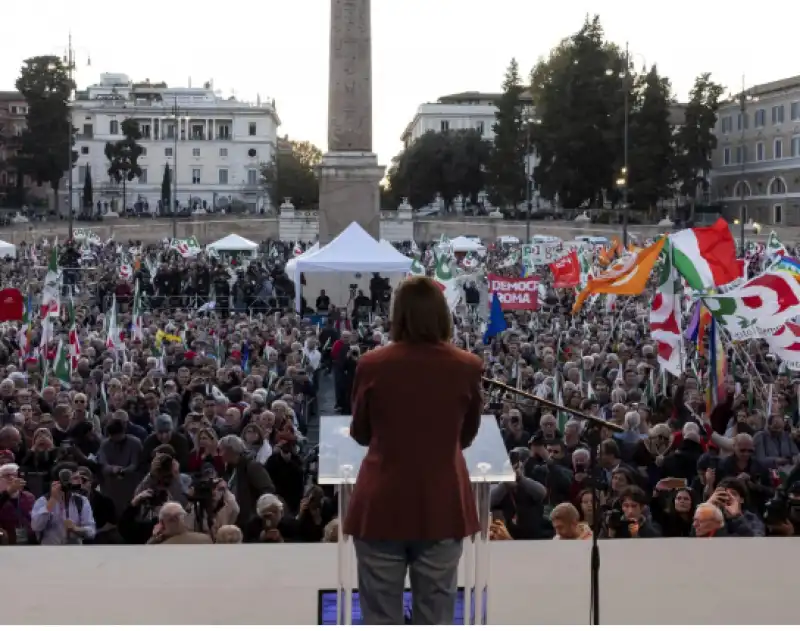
[(69, 525), (158, 530), (17, 484), (56, 492), (633, 528), (710, 477), (141, 497)]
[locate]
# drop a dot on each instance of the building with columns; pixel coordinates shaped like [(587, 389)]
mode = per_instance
[(215, 145)]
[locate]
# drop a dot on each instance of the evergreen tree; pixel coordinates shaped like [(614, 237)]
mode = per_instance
[(166, 189), (651, 152), (695, 140), (505, 172), (88, 193), (293, 175), (45, 153), (123, 156), (579, 97)]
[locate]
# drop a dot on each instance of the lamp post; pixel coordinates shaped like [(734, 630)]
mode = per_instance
[(744, 98), (69, 59), (528, 192), (175, 113)]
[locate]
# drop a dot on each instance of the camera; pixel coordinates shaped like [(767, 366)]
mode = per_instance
[(615, 520), (202, 488)]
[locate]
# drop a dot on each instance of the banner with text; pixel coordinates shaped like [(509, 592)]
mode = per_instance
[(566, 271), (514, 293), (542, 253)]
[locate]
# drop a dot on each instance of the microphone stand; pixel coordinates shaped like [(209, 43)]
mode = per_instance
[(591, 435)]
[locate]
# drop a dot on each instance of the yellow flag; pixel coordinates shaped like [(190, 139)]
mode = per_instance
[(626, 276)]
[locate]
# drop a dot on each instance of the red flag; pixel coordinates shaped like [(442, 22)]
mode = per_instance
[(566, 271), (12, 306)]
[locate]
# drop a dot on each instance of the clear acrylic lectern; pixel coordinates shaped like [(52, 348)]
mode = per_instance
[(487, 462)]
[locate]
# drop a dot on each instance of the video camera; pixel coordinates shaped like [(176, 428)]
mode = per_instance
[(783, 506)]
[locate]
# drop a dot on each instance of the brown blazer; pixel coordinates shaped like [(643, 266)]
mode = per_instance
[(416, 408)]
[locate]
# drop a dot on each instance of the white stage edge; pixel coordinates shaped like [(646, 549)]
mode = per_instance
[(651, 581)]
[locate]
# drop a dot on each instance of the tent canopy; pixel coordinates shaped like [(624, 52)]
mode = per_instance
[(354, 251), (7, 249), (233, 243), (291, 263), (463, 244)]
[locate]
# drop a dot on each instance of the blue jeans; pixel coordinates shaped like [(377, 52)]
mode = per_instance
[(433, 573)]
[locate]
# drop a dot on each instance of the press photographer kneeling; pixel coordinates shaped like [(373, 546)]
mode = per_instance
[(211, 504), (782, 512), (626, 517)]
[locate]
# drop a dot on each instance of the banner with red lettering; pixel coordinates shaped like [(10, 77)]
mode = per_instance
[(514, 293), (566, 271)]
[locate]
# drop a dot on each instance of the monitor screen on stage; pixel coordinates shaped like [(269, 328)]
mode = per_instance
[(327, 607)]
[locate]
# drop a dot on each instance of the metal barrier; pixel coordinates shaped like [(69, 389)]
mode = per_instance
[(196, 301)]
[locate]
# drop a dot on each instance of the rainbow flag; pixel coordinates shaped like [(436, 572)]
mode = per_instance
[(787, 264), (717, 367)]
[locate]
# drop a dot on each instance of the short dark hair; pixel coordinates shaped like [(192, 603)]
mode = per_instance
[(420, 314), (635, 494)]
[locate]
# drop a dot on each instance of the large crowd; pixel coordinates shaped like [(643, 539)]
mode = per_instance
[(199, 423)]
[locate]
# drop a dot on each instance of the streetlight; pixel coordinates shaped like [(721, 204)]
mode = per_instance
[(528, 173), (175, 114), (69, 60), (744, 97)]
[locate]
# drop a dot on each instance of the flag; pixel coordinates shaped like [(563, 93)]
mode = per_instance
[(50, 291), (706, 257), (607, 255), (586, 269), (558, 399), (497, 321), (471, 260), (12, 305), (716, 372), (443, 276), (626, 277), (74, 341), (774, 246), (787, 264), (758, 307), (25, 330), (665, 317), (297, 250), (417, 269), (694, 323), (137, 331), (61, 367), (785, 343), (113, 333), (566, 271)]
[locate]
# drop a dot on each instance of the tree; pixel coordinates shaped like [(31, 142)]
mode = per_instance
[(166, 188), (123, 157), (292, 174), (449, 164), (46, 153), (695, 140), (579, 94), (88, 193), (506, 170), (651, 154)]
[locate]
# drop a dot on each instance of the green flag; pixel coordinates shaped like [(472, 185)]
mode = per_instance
[(62, 367)]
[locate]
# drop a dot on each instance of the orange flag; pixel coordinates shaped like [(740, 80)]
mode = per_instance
[(607, 255), (626, 277)]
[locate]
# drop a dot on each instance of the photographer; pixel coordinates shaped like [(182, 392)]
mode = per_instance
[(316, 511), (211, 504), (627, 519), (721, 516), (63, 516), (141, 515), (521, 502), (782, 512)]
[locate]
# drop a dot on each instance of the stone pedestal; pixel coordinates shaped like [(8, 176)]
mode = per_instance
[(349, 191)]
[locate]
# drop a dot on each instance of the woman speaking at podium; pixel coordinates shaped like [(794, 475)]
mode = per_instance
[(416, 404)]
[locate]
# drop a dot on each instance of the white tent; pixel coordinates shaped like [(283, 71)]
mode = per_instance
[(291, 263), (7, 249), (234, 243), (464, 244), (353, 251)]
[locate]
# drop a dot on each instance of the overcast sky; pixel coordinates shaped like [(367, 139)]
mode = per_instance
[(422, 49)]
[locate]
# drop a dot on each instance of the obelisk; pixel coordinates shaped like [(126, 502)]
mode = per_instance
[(349, 173)]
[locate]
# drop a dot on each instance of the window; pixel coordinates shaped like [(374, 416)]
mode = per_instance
[(84, 151), (777, 213), (113, 127), (223, 152), (741, 118), (796, 147), (727, 124), (742, 189), (480, 127), (224, 132), (795, 111), (145, 130), (223, 176), (444, 126), (726, 156), (251, 129), (88, 130), (760, 151), (778, 154), (171, 131), (777, 186), (197, 132), (81, 174), (252, 153), (143, 177), (741, 154), (168, 152), (252, 177), (196, 152), (760, 117), (195, 176), (144, 152), (777, 114)]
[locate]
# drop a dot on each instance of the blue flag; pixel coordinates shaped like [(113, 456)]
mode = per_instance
[(497, 322)]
